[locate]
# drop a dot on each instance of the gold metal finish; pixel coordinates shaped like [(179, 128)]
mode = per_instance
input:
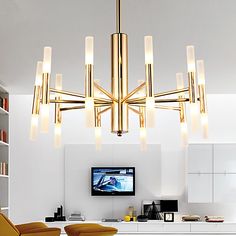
[(97, 115), (72, 108), (66, 101), (119, 81), (67, 93), (202, 98), (149, 80), (167, 108), (58, 116), (45, 88), (119, 100), (142, 118), (36, 100), (192, 87), (118, 19), (176, 91), (89, 90), (133, 92), (104, 91), (140, 99), (182, 113), (134, 110), (171, 100), (104, 110)]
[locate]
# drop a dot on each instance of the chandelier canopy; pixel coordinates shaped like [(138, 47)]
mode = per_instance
[(119, 101)]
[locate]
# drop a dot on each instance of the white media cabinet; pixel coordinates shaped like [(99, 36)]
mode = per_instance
[(159, 227)]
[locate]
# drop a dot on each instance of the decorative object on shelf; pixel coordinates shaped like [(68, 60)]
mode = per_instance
[(127, 218), (3, 136), (191, 218), (3, 168), (152, 209), (96, 100), (58, 216), (142, 218), (4, 103), (168, 207), (111, 220), (169, 217), (76, 217), (214, 219)]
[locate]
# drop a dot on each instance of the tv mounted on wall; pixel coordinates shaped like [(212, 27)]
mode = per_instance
[(110, 181)]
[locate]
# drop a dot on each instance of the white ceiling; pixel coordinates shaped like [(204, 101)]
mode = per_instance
[(26, 26)]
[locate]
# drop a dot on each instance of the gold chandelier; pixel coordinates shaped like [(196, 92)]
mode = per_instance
[(96, 100)]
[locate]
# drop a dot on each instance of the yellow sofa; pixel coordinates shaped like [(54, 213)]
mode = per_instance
[(31, 229)]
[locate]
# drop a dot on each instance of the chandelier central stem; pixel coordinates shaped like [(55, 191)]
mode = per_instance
[(118, 18)]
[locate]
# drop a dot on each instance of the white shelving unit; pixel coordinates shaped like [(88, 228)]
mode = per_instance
[(4, 156)]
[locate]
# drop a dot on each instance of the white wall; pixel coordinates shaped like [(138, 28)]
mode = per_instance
[(80, 158), (37, 169)]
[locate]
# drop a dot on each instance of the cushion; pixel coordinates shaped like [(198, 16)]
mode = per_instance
[(77, 229)]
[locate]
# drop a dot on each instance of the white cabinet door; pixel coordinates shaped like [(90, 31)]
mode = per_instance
[(200, 188), (150, 227), (200, 158), (204, 227), (125, 227), (177, 227), (225, 158), (224, 188)]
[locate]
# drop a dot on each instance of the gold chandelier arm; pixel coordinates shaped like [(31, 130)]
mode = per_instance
[(133, 92), (71, 108), (104, 110), (66, 101), (134, 100), (168, 108), (104, 91), (176, 91), (96, 99), (172, 100), (134, 110), (67, 93)]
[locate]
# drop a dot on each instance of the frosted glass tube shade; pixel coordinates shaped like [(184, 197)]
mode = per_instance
[(34, 127), (201, 72), (58, 84), (98, 138), (191, 59), (44, 118), (148, 47), (89, 50), (57, 135), (39, 74), (150, 112), (89, 112), (47, 57), (143, 138)]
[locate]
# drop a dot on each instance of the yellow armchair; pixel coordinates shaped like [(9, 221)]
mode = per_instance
[(7, 228)]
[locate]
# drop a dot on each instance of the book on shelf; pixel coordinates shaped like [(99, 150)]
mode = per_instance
[(3, 168), (3, 136), (4, 103)]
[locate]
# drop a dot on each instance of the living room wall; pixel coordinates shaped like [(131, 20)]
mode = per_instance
[(37, 169)]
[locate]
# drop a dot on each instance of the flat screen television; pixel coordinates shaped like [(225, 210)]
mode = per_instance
[(110, 181)]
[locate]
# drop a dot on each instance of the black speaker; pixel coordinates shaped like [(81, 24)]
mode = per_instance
[(142, 218)]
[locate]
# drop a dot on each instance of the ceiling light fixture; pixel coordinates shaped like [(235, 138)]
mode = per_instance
[(96, 100)]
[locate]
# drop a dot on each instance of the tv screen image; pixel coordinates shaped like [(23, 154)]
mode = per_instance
[(113, 181)]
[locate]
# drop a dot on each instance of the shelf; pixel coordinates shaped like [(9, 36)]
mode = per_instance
[(4, 208), (4, 176), (3, 111), (3, 143)]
